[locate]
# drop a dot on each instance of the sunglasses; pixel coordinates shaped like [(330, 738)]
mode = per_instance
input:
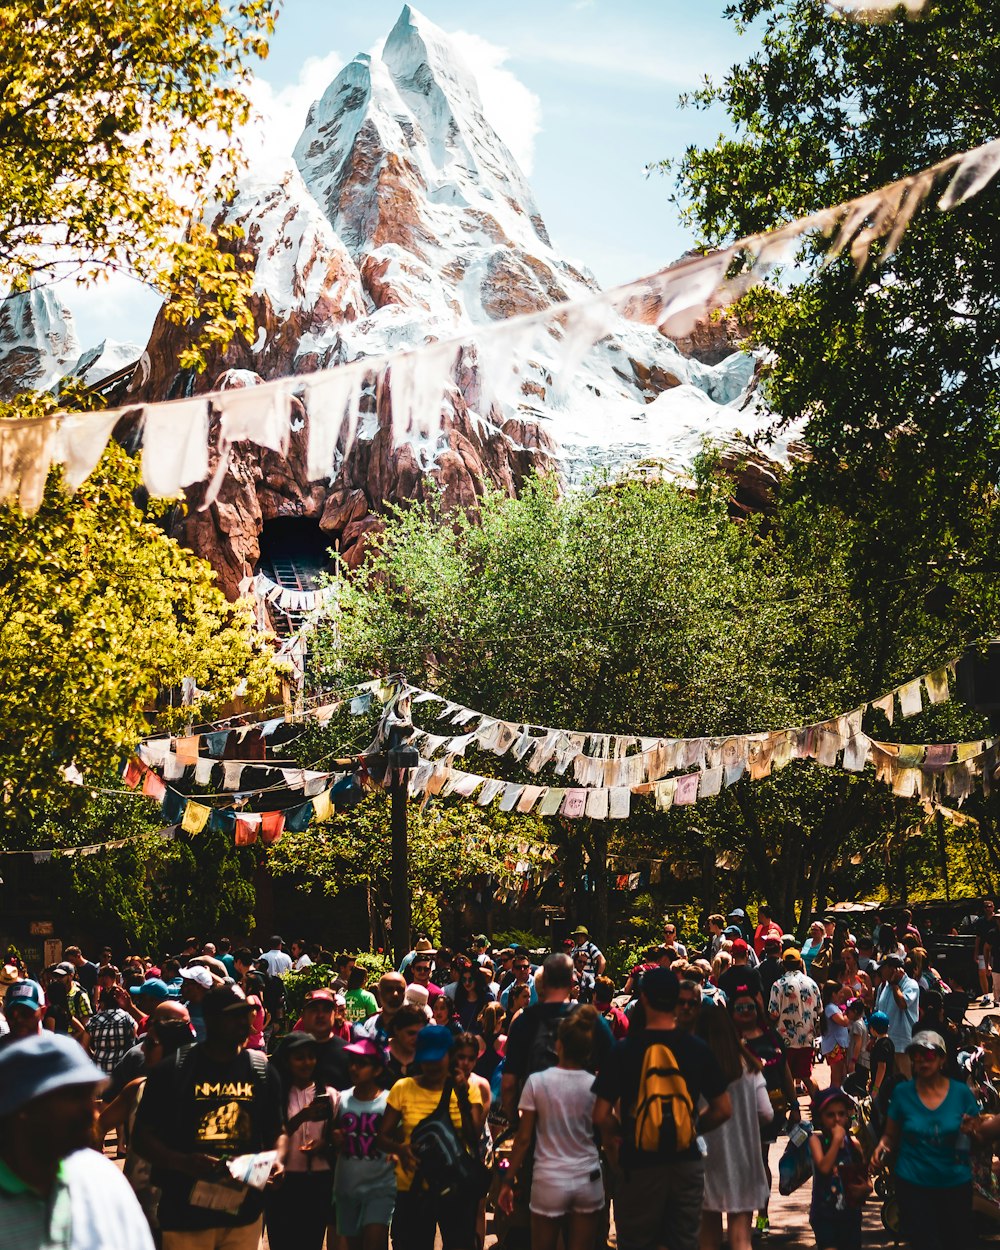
[(925, 1052), (745, 1007), (687, 1002), (522, 967)]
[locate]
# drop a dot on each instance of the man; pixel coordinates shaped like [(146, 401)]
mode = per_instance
[(226, 956), (733, 933), (661, 1181), (766, 927), (907, 927), (985, 929), (197, 982), (795, 1006), (899, 998), (420, 969), (278, 962), (77, 1001), (300, 956), (584, 980), (716, 935), (480, 948), (670, 939), (770, 966), (361, 1003), (738, 917), (866, 956), (521, 969), (423, 946), (86, 971), (688, 1005), (168, 1021), (24, 1007), (208, 1102), (391, 990), (505, 971), (317, 1019), (345, 965), (112, 1031), (739, 973), (531, 1042), (595, 960), (54, 1191)]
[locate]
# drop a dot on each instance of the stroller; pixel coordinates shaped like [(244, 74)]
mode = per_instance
[(869, 1129)]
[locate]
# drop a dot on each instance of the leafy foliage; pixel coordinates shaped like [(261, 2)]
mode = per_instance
[(116, 121), (101, 616), (894, 376)]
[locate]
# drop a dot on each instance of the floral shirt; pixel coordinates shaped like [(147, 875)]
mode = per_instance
[(795, 1000)]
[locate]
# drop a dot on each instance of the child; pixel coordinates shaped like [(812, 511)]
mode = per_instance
[(834, 1038), (840, 1178), (858, 1058), (365, 1181), (882, 1056)]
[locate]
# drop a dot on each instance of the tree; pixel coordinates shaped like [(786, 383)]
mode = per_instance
[(116, 121), (894, 375), (641, 608), (102, 616)]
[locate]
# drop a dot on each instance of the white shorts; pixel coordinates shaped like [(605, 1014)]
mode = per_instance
[(981, 961), (553, 1198)]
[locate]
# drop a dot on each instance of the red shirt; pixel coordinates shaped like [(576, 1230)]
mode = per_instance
[(762, 931)]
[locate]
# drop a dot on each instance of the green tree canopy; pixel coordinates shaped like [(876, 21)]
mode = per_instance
[(117, 120), (102, 616)]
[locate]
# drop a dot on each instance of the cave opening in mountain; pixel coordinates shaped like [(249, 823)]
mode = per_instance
[(294, 551)]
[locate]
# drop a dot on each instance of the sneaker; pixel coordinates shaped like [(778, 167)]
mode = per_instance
[(986, 1001), (761, 1226)]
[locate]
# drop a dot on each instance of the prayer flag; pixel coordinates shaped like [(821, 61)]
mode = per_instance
[(687, 789), (196, 817), (529, 797), (322, 806), (133, 773), (172, 806), (937, 686), (187, 749), (153, 786), (597, 804), (910, 703), (551, 801), (297, 818), (272, 825), (619, 803), (574, 804)]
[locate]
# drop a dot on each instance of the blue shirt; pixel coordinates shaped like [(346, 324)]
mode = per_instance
[(901, 1019), (932, 1152)]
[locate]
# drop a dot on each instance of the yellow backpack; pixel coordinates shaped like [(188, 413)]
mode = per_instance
[(664, 1112)]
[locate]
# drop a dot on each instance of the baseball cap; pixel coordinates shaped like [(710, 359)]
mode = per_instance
[(878, 1021), (732, 931), (737, 911), (792, 956), (200, 975), (772, 943), (39, 1065), (927, 1039), (154, 989), (433, 1042), (892, 961), (740, 945), (365, 1048), (64, 969), (581, 930), (832, 1093), (225, 998), (28, 993), (661, 987), (321, 995)]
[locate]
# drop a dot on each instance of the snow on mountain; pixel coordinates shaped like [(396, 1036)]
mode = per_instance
[(106, 358), (407, 220), (38, 341)]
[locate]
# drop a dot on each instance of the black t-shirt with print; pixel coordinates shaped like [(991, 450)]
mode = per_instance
[(619, 1077), (736, 976), (205, 1107)]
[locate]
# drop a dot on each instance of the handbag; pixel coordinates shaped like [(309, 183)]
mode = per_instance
[(445, 1164), (795, 1164)]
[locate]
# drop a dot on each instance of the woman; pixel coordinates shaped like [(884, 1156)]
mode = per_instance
[(471, 996), (735, 1181), (465, 1056), (557, 1108), (297, 1209), (445, 1014), (518, 999), (813, 944), (858, 983), (421, 1207), (764, 1044), (835, 1038), (401, 1057), (927, 1129), (491, 1022)]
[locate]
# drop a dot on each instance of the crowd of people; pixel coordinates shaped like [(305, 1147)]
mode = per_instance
[(363, 1114)]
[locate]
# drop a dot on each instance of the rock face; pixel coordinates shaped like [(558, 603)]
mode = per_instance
[(38, 343), (406, 220)]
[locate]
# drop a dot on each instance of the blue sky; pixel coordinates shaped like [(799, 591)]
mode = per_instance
[(585, 90)]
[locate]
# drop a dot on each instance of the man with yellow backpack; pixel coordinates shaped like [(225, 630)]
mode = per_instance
[(648, 1093)]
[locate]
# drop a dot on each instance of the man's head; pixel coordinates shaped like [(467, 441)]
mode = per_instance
[(688, 1004), (669, 933), (198, 981), (866, 946), (480, 944), (421, 969), (736, 916), (791, 961), (62, 973), (659, 990), (716, 923), (298, 948), (24, 1006), (108, 977), (407, 1023), (74, 956), (391, 990), (521, 967), (170, 1026), (772, 947), (48, 1102), (276, 942), (764, 916), (106, 955), (506, 958), (557, 977), (356, 978), (604, 992), (227, 1017), (243, 961), (740, 951), (317, 1013), (208, 948)]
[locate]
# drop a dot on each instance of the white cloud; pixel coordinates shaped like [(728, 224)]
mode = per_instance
[(511, 108), (281, 114)]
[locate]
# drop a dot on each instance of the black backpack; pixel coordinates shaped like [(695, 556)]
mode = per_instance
[(542, 1053), (444, 1163)]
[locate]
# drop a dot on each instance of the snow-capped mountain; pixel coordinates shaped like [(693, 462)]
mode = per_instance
[(38, 343), (404, 220)]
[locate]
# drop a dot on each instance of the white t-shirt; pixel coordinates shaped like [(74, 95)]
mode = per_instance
[(563, 1100), (105, 1212)]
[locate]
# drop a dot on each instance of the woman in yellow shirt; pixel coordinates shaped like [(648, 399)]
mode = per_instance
[(420, 1209)]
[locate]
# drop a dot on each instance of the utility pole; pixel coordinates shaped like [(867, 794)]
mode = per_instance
[(401, 760)]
